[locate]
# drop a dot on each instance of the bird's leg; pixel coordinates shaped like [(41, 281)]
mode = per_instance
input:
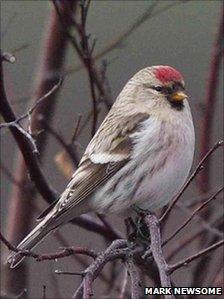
[(141, 231), (139, 211), (131, 230)]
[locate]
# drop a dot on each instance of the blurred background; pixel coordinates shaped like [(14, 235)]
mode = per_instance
[(181, 36)]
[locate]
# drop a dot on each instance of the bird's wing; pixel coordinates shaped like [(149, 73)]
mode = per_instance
[(106, 154)]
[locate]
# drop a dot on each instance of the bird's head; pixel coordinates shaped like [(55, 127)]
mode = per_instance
[(161, 86)]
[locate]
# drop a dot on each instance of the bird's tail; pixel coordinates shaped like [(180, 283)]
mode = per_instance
[(30, 241)]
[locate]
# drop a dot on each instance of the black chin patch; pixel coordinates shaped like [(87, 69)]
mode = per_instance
[(177, 105)]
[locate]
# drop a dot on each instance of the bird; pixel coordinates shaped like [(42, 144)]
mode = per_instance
[(141, 155)]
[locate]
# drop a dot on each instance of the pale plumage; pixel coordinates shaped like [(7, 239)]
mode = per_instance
[(141, 154), (159, 165)]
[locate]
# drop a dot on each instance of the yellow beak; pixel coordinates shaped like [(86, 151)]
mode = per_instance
[(178, 96)]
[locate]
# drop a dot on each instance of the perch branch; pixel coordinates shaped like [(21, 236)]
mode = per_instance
[(136, 288), (156, 247)]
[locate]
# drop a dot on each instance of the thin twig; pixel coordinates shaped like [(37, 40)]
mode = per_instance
[(5, 56), (44, 292), (109, 226), (59, 272), (85, 56), (86, 121), (204, 204), (36, 173), (20, 48), (65, 252), (30, 111), (76, 131), (80, 260), (120, 39), (87, 53), (186, 261), (186, 241), (202, 222), (17, 250)]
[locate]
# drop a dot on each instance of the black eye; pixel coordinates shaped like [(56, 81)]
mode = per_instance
[(157, 88)]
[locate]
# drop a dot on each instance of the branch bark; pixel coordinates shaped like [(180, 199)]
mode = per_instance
[(136, 288), (114, 251), (156, 247)]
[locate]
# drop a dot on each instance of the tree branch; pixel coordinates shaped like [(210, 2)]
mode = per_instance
[(65, 252), (136, 287), (120, 39), (156, 247), (47, 75), (114, 251), (210, 102), (36, 173)]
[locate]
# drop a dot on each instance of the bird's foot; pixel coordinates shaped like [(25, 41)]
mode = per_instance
[(139, 211), (139, 233)]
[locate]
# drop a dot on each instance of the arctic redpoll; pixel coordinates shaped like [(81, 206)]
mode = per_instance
[(141, 155)]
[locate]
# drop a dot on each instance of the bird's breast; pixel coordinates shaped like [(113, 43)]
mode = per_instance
[(159, 165), (163, 155)]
